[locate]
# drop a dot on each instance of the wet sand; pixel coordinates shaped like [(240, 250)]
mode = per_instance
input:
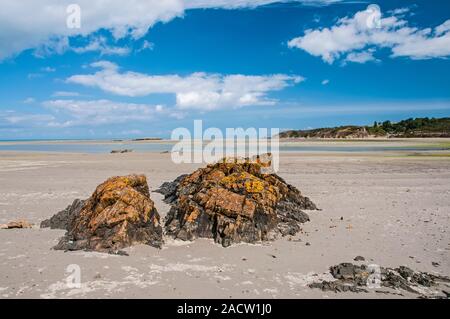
[(395, 210)]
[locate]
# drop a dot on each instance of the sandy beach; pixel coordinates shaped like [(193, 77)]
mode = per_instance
[(224, 157), (391, 208)]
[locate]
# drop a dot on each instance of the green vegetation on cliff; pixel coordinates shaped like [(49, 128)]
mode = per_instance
[(418, 127)]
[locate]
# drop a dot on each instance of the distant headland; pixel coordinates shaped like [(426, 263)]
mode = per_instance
[(410, 128)]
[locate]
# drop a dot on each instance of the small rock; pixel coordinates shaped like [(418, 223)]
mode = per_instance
[(121, 151), (359, 258), (308, 244), (435, 264), (21, 223)]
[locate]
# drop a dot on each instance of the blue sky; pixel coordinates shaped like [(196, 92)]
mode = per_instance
[(297, 64)]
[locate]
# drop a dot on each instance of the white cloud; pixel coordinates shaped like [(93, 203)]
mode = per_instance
[(236, 4), (29, 100), (195, 91), (325, 82), (42, 25), (361, 57), (25, 119), (399, 11), (147, 45), (99, 44), (31, 76), (48, 69), (41, 74), (69, 113), (357, 38), (99, 112), (29, 24), (65, 94)]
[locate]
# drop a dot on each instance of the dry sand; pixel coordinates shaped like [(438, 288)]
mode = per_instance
[(395, 210)]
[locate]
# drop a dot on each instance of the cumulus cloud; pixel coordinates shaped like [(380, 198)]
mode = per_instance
[(201, 91), (361, 57), (357, 38), (100, 44), (12, 119), (99, 112), (29, 24), (42, 25), (68, 113)]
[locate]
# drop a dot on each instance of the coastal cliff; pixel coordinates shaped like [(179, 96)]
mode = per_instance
[(418, 127)]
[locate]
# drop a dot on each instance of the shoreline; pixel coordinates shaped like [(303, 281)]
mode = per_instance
[(302, 146)]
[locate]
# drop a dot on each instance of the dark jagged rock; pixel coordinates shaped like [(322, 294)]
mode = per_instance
[(65, 217), (119, 214), (356, 278), (233, 202), (169, 189), (337, 286)]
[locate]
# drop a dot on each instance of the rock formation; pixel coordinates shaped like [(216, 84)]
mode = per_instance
[(356, 278), (233, 202), (119, 214)]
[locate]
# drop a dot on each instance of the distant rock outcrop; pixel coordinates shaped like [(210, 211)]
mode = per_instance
[(119, 214), (232, 203)]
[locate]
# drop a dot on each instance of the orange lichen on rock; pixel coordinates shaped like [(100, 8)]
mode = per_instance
[(119, 214), (233, 201)]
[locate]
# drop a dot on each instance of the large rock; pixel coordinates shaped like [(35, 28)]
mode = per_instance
[(233, 202), (119, 214)]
